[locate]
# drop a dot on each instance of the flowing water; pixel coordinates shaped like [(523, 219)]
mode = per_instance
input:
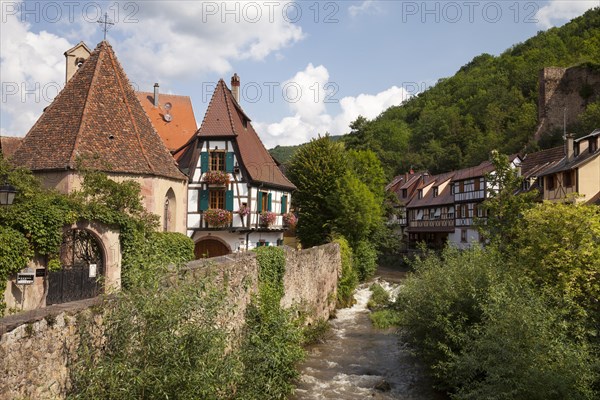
[(355, 358)]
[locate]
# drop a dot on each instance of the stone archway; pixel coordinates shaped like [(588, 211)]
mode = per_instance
[(81, 276), (90, 263), (211, 246)]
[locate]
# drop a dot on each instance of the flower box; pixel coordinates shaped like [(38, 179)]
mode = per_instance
[(290, 220), (217, 218), (216, 178), (267, 218)]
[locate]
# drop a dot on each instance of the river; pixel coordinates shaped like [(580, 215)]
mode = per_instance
[(354, 358)]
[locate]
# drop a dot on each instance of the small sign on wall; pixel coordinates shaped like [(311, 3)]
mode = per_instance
[(25, 278), (93, 269)]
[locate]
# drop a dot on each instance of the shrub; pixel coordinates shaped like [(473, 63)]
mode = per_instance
[(160, 342), (486, 332), (379, 297), (365, 260), (273, 337), (349, 277), (385, 318)]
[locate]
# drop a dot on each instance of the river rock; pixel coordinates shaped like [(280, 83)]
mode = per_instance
[(383, 386)]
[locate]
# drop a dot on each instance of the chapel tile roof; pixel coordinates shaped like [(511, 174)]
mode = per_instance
[(97, 117)]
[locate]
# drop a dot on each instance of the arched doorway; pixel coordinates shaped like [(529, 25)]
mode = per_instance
[(210, 247), (82, 268)]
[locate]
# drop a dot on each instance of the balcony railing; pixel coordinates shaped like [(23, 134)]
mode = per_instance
[(432, 223), (464, 221), (465, 196)]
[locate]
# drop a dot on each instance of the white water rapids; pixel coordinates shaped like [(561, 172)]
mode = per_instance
[(355, 358)]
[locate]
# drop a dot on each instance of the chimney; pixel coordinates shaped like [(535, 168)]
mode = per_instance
[(235, 87), (156, 95), (569, 147)]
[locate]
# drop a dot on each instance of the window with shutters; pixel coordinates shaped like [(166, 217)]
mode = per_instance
[(217, 160), (217, 199)]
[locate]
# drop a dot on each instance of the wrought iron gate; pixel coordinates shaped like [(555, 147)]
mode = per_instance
[(82, 269)]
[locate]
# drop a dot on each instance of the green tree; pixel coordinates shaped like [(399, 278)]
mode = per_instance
[(558, 247), (358, 211), (504, 206), (315, 170)]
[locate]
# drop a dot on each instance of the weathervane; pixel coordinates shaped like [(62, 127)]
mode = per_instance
[(106, 22)]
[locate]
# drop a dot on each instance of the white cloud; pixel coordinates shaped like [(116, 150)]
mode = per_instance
[(33, 70), (175, 40), (365, 7), (310, 116), (179, 40), (558, 11)]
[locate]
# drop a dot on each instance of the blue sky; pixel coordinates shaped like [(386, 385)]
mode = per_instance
[(307, 67)]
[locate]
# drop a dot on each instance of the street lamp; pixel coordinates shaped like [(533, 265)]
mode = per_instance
[(7, 194)]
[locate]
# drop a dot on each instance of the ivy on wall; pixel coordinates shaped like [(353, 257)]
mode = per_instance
[(34, 224)]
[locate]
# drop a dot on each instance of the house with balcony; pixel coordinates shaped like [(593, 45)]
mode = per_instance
[(238, 198), (431, 211), (576, 175), (470, 188)]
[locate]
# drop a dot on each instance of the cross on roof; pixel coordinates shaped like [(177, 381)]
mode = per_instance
[(106, 22)]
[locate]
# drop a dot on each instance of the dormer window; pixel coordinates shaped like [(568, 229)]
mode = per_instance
[(435, 191), (404, 193), (420, 194), (593, 144)]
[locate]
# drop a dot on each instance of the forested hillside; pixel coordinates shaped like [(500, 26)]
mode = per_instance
[(490, 103)]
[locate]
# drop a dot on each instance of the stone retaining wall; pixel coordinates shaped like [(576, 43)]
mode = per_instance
[(37, 347)]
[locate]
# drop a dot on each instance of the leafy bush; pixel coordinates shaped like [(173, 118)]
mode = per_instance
[(160, 342), (486, 332), (15, 252), (379, 297), (349, 277), (365, 259), (385, 318), (273, 337)]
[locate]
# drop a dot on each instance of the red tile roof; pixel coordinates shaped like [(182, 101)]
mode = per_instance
[(225, 118), (8, 145), (182, 127), (97, 116)]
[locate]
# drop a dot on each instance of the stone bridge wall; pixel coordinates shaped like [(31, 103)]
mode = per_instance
[(37, 347)]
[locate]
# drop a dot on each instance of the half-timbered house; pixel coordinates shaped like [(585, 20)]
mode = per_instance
[(237, 195)]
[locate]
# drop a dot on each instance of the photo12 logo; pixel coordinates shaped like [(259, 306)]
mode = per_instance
[(290, 92), (70, 11), (453, 12)]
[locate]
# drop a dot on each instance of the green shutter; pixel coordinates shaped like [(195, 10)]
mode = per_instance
[(269, 205), (204, 161), (284, 204), (229, 200), (229, 162), (203, 200), (259, 205)]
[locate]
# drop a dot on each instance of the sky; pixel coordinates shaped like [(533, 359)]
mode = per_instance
[(306, 67)]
